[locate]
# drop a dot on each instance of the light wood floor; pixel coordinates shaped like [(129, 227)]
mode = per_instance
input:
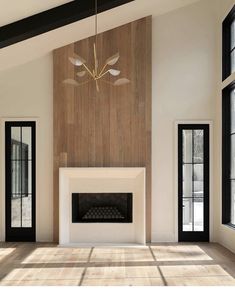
[(157, 265)]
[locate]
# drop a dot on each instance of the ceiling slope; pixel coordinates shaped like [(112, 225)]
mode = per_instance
[(52, 19), (35, 47), (13, 10)]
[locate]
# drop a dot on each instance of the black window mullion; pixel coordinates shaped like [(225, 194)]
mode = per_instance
[(21, 150), (193, 179), (205, 174)]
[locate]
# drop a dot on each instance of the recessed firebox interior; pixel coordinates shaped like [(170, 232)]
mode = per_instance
[(102, 207)]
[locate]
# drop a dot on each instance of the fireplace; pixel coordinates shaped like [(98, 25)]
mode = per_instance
[(102, 207)]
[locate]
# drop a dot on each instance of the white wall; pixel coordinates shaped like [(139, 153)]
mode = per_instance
[(187, 86), (184, 74), (27, 92)]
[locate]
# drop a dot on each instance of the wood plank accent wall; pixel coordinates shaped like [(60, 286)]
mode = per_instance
[(111, 128)]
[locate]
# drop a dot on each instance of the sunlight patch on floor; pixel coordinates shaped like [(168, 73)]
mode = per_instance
[(58, 255), (180, 253)]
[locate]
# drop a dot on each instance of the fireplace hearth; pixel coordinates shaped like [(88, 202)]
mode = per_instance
[(102, 207)]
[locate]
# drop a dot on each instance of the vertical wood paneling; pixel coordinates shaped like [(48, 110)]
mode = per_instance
[(110, 128)]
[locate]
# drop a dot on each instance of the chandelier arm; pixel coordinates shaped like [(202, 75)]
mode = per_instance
[(88, 70), (101, 72), (100, 76)]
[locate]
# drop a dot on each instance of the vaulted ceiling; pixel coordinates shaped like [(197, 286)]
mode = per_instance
[(52, 19), (12, 10), (44, 43)]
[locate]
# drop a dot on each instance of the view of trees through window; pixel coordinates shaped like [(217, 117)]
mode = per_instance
[(193, 185)]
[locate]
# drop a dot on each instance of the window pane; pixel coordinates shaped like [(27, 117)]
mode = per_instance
[(233, 156), (24, 177), (15, 143), (198, 214), (16, 177), (187, 215), (29, 186), (233, 35), (232, 102), (187, 180), (198, 146), (16, 211), (26, 143), (233, 61), (187, 146), (198, 183), (27, 195), (27, 210), (233, 202), (198, 173)]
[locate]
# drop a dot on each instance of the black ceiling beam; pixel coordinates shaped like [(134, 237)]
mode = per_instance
[(51, 19)]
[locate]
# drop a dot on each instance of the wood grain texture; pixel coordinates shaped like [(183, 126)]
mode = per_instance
[(27, 264), (110, 128)]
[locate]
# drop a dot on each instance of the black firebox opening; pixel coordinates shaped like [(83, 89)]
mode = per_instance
[(102, 207)]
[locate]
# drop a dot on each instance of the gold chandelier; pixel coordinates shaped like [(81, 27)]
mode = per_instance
[(97, 73)]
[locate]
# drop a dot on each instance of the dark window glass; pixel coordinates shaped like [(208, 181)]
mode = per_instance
[(232, 157), (229, 44), (228, 156)]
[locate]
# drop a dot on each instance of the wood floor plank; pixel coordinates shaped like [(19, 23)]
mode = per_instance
[(155, 265)]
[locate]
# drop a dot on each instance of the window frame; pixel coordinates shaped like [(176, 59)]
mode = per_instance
[(194, 236), (226, 154), (23, 234), (226, 44), (226, 118)]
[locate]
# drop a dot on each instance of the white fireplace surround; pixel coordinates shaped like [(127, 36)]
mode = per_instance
[(101, 180)]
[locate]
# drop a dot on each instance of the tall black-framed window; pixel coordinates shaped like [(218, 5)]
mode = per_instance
[(229, 44), (193, 182), (228, 165), (228, 122), (20, 180)]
